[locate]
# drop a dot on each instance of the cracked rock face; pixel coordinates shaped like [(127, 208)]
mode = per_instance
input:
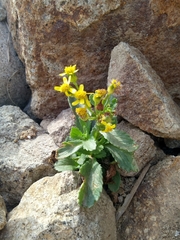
[(49, 35), (49, 210)]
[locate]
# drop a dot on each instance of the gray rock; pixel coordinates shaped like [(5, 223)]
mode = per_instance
[(49, 210), (13, 87), (2, 14), (154, 212), (3, 213), (24, 150), (60, 127), (143, 99)]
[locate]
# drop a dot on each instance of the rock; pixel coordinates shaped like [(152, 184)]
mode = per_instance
[(13, 87), (146, 149), (154, 212), (143, 100), (3, 213), (2, 14), (49, 210), (60, 127), (24, 150), (49, 36), (172, 143)]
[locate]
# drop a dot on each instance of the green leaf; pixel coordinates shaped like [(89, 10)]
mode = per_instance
[(115, 184), (75, 133), (91, 187), (68, 149), (120, 139), (124, 158), (67, 164), (82, 159), (89, 144)]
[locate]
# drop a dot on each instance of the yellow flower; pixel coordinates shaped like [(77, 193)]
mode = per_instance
[(81, 97), (97, 98), (82, 113), (70, 70), (65, 88), (108, 126), (100, 93), (114, 86)]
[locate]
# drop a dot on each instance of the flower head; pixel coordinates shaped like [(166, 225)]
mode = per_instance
[(70, 70), (108, 126), (81, 97), (114, 86), (65, 88), (98, 96), (82, 113)]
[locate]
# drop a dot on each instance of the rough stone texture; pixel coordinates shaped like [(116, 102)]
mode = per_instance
[(155, 210), (143, 99), (146, 149), (51, 34), (49, 210), (2, 13), (13, 87), (3, 213), (60, 127), (24, 148)]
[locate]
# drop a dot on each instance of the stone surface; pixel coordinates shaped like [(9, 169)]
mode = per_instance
[(155, 210), (49, 210), (24, 148), (49, 35), (13, 87), (2, 13), (146, 149), (3, 213), (143, 99), (60, 127)]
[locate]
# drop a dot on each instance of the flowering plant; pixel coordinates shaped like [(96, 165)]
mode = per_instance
[(94, 146)]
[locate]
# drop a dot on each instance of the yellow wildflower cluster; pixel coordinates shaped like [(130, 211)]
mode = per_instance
[(84, 109)]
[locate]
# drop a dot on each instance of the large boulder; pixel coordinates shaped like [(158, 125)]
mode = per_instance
[(51, 34), (24, 150), (154, 212), (143, 99), (49, 210), (13, 87)]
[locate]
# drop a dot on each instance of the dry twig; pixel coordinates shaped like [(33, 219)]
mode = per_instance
[(130, 196)]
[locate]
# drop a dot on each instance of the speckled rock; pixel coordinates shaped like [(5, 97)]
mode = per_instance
[(60, 127), (146, 150), (24, 150), (143, 99), (49, 210), (154, 212), (3, 213), (49, 35), (13, 87)]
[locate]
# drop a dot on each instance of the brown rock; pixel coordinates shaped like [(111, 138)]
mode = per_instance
[(143, 100), (49, 35), (155, 210)]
